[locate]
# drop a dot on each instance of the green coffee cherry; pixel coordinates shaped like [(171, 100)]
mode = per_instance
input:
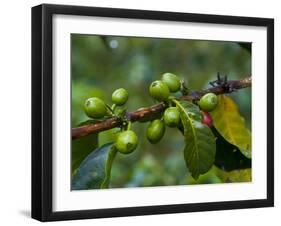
[(172, 117), (208, 102), (95, 107), (126, 142), (155, 131), (172, 81), (120, 96), (159, 90)]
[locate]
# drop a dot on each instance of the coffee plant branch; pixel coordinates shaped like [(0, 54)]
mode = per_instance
[(149, 113)]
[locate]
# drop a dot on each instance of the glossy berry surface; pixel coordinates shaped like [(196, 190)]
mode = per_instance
[(126, 142), (207, 119), (120, 96), (172, 117), (172, 81), (159, 90), (95, 107), (155, 131), (208, 102)]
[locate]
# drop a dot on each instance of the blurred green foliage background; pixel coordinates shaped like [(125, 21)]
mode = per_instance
[(101, 64)]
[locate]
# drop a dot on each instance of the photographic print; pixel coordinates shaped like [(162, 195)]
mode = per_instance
[(138, 112), (151, 112)]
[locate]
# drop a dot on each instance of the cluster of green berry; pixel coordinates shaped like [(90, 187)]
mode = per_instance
[(96, 108), (160, 90)]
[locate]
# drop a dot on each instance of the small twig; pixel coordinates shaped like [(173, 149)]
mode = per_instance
[(150, 113)]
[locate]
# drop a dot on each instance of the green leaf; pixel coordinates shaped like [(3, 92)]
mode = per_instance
[(94, 171), (108, 136), (120, 111), (81, 148), (244, 175), (200, 149), (228, 156), (231, 125)]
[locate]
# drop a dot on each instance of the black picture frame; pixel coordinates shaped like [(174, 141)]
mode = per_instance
[(42, 107)]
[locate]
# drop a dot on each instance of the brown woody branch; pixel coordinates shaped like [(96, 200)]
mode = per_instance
[(152, 112)]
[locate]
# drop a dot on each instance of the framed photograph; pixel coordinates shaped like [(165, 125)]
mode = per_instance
[(145, 112)]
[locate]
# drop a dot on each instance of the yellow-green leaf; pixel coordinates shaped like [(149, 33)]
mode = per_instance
[(231, 125), (200, 149), (243, 175)]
